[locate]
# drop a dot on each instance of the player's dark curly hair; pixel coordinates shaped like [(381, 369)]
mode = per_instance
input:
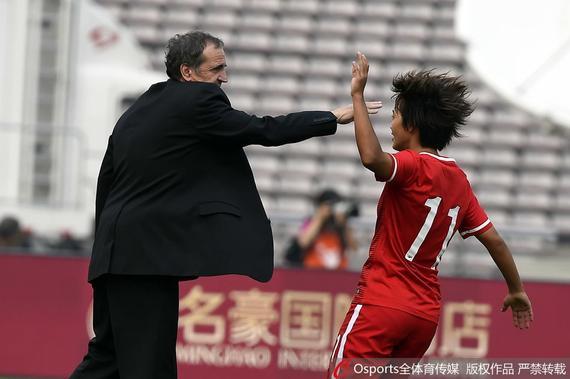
[(187, 49), (436, 104)]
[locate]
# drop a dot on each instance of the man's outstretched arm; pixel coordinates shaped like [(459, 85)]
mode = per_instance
[(217, 121), (516, 299)]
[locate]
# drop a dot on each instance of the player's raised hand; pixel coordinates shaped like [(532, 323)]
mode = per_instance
[(359, 74), (521, 307)]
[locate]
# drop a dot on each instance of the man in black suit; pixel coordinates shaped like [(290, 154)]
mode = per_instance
[(176, 200)]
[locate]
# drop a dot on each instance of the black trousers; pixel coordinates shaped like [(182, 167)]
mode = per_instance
[(135, 319)]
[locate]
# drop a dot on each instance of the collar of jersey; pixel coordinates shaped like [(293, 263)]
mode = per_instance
[(445, 159)]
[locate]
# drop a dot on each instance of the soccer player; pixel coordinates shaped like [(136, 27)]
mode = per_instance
[(426, 199)]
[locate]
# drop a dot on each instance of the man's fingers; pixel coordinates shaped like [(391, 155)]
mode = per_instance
[(373, 107)]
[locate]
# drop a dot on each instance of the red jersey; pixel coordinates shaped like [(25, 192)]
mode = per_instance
[(425, 201)]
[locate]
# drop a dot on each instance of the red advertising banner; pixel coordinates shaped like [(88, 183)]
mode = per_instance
[(235, 327)]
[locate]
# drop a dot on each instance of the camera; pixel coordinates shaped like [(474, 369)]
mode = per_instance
[(346, 208)]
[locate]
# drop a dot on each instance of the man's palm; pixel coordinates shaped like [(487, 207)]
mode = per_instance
[(345, 114)]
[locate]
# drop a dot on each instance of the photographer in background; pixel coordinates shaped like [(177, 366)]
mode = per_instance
[(325, 238)]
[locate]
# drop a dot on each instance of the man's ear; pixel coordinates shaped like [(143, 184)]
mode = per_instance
[(186, 73)]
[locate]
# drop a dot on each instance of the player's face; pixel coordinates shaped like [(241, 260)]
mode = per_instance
[(400, 135), (213, 69)]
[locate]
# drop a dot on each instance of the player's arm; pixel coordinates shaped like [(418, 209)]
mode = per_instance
[(371, 154), (517, 299)]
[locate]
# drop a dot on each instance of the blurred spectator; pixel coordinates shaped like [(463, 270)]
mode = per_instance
[(12, 235), (67, 242), (324, 238)]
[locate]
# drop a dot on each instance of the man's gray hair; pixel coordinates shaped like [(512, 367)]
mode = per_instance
[(187, 49)]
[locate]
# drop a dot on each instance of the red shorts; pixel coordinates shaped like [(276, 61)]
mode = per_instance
[(372, 331)]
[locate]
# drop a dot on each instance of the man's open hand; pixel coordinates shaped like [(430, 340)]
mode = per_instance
[(345, 114)]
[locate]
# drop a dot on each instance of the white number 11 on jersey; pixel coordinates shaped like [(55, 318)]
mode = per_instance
[(433, 205)]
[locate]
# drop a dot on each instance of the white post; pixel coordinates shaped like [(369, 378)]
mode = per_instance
[(13, 33)]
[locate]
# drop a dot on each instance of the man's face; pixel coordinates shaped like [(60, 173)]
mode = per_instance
[(213, 69), (400, 135)]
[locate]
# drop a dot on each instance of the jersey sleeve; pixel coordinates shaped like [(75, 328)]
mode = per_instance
[(404, 168), (475, 221)]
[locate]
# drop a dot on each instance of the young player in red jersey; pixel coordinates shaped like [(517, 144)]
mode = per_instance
[(426, 199)]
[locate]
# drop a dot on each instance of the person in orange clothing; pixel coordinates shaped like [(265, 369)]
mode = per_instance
[(325, 238)]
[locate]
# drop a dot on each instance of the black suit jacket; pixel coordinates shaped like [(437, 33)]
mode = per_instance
[(176, 195)]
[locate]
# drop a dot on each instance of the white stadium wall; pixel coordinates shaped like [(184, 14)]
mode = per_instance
[(13, 33), (111, 67), (105, 65)]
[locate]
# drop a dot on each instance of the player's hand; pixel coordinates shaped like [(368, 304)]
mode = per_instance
[(359, 74), (521, 307), (345, 115)]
